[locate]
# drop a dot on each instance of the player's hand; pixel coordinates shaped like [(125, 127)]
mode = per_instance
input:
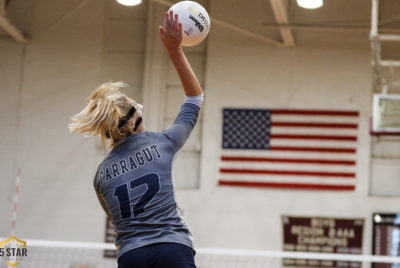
[(171, 33)]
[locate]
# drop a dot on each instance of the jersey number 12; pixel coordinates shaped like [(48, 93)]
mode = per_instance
[(122, 194)]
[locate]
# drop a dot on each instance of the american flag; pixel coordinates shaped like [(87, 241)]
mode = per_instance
[(281, 148)]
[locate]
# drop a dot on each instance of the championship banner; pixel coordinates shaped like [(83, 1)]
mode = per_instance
[(386, 237), (323, 235)]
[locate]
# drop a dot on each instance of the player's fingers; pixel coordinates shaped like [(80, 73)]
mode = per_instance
[(166, 21), (170, 19), (176, 26), (161, 29), (180, 29)]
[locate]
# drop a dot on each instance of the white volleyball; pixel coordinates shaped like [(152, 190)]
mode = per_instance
[(195, 22)]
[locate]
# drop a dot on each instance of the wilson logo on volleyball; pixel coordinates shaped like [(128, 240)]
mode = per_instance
[(298, 149), (13, 250)]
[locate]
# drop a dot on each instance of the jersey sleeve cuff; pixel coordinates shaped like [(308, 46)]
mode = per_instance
[(196, 100)]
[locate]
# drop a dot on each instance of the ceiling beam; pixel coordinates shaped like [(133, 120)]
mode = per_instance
[(389, 63), (12, 30), (327, 27), (8, 26), (281, 17), (388, 37)]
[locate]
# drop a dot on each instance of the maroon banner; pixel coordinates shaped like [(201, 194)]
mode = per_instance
[(324, 235), (386, 237)]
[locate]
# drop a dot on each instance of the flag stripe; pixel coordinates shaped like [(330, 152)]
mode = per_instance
[(288, 160), (288, 154), (313, 149), (305, 186), (286, 166), (315, 112), (312, 124), (287, 172), (313, 131), (312, 143), (314, 119), (313, 137), (285, 179)]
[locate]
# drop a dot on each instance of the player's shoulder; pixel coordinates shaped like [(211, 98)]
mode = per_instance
[(145, 138), (150, 134)]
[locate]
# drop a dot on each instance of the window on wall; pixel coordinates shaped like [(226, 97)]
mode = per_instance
[(385, 166), (385, 145)]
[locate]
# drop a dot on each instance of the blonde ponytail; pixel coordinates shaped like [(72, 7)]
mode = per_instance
[(106, 106)]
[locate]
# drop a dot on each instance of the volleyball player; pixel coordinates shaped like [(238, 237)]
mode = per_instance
[(133, 183)]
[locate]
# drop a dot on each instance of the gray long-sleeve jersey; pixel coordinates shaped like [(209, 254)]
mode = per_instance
[(134, 185)]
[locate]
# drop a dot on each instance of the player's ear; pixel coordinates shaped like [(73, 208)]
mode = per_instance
[(130, 123)]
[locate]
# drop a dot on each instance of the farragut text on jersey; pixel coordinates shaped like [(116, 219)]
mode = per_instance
[(133, 161)]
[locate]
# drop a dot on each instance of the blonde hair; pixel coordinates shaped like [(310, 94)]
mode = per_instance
[(106, 106)]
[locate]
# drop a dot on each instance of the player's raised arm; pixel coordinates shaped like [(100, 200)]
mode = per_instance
[(171, 36)]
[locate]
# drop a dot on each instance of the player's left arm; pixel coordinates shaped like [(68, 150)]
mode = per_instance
[(179, 132)]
